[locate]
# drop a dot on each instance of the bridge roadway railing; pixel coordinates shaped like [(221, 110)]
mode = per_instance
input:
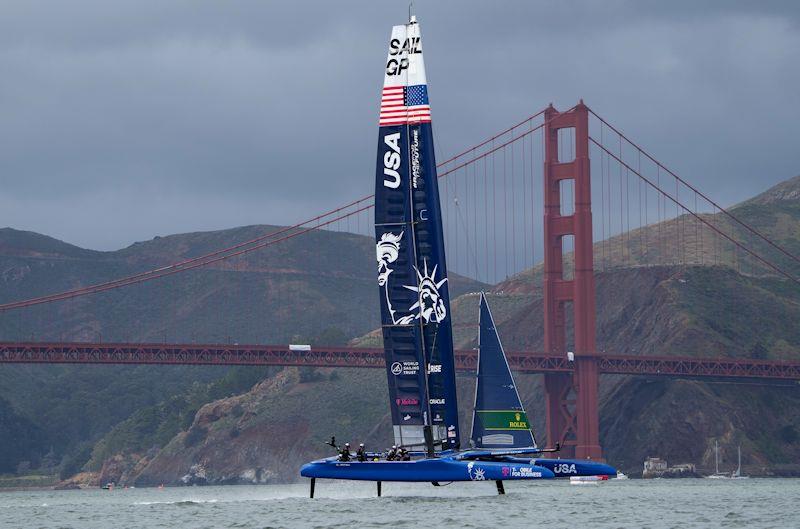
[(466, 360)]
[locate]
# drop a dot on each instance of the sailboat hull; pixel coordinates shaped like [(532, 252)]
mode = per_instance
[(424, 470), (564, 468)]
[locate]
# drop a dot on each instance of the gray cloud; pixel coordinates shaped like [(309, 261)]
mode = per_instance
[(122, 120)]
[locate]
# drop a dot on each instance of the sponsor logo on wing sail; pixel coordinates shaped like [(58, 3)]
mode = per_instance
[(405, 368), (396, 63), (415, 166)]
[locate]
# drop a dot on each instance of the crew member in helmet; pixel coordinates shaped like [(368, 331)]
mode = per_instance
[(403, 455), (392, 455), (361, 453), (344, 453)]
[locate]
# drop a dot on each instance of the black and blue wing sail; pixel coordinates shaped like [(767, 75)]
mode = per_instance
[(499, 419), (432, 289), (402, 335), (412, 272)]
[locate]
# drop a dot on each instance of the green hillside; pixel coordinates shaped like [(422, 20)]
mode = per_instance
[(316, 288)]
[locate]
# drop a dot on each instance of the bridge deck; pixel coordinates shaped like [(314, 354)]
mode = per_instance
[(466, 360)]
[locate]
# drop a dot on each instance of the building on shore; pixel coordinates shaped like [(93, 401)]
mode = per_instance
[(655, 467)]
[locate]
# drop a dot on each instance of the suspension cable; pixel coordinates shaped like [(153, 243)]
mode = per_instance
[(261, 241), (698, 217), (684, 182)]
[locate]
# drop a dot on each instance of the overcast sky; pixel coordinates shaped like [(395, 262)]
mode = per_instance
[(127, 119)]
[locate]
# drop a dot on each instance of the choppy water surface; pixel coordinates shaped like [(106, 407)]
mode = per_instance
[(633, 503)]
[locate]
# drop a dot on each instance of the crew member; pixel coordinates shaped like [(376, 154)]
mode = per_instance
[(392, 455), (361, 453), (403, 455), (344, 454)]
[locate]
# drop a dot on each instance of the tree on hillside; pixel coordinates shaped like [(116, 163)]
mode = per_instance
[(22, 442)]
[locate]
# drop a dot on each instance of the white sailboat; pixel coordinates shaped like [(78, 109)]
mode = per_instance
[(717, 474), (737, 474)]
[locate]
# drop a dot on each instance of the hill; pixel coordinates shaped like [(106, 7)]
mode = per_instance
[(315, 288), (688, 309)]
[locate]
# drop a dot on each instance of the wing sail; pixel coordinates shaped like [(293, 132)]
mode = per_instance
[(412, 272)]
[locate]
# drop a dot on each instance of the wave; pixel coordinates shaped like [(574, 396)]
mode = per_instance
[(176, 502)]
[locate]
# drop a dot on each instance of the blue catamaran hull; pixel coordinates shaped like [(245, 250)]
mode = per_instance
[(564, 468), (424, 470)]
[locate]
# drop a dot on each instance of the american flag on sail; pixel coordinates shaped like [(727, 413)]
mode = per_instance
[(401, 105)]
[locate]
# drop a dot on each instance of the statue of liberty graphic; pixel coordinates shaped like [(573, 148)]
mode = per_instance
[(429, 306)]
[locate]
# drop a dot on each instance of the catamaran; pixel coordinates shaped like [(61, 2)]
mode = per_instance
[(415, 317), (415, 301)]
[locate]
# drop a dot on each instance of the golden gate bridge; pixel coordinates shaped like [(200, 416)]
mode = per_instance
[(644, 215)]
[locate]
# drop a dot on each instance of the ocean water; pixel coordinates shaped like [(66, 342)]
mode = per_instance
[(682, 503)]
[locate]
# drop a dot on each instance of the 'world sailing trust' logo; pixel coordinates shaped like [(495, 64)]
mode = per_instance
[(430, 305)]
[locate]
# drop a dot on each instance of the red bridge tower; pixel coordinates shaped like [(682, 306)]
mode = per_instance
[(572, 412)]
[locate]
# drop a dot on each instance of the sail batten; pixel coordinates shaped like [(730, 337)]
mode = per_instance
[(499, 419), (412, 271)]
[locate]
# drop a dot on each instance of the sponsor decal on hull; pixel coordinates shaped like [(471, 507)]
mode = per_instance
[(564, 468), (475, 473)]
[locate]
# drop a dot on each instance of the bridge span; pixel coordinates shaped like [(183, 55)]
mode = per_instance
[(362, 357), (644, 214)]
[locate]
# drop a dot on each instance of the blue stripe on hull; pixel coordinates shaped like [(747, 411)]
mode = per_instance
[(424, 470)]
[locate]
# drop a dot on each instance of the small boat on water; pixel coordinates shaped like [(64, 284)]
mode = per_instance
[(736, 474), (587, 480), (717, 474)]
